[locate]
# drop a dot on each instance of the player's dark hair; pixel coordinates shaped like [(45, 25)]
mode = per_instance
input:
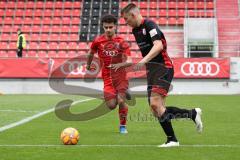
[(109, 18), (128, 8)]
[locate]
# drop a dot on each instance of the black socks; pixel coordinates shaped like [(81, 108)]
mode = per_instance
[(173, 113)]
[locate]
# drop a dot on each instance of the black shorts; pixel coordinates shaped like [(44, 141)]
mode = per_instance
[(159, 78)]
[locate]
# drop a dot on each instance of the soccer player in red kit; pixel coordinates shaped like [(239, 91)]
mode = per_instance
[(112, 49)]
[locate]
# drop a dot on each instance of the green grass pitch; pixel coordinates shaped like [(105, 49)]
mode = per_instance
[(99, 138)]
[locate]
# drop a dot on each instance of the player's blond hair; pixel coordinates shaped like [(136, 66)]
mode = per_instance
[(131, 7)]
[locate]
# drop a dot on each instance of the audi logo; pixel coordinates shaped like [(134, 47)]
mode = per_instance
[(200, 68), (78, 68)]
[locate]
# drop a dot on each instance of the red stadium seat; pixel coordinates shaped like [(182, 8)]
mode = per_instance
[(73, 46), (3, 53), (47, 21), (12, 53), (181, 4), (42, 54), (4, 46), (48, 13), (46, 29), (74, 29), (7, 29), (36, 28), (143, 5), (8, 20), (144, 12), (49, 4), (67, 12), (65, 28), (56, 29), (20, 4), (33, 46), (3, 4), (162, 21), (35, 37), (76, 13), (75, 20), (66, 20), (5, 36), (181, 13), (172, 21), (74, 37), (26, 28), (63, 46), (44, 37), (9, 12), (62, 54), (190, 5), (57, 21), (180, 21), (38, 13), (27, 21), (43, 46), (123, 4), (162, 13), (84, 46), (58, 13), (210, 5), (162, 5), (172, 13), (72, 54), (200, 5), (52, 54), (18, 20), (39, 4), (2, 12), (68, 4), (153, 13), (37, 21), (172, 4), (59, 4), (54, 37), (31, 53), (76, 4), (11, 4), (153, 5), (64, 37)]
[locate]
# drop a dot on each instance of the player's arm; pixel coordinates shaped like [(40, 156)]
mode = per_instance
[(89, 59), (156, 37), (127, 63), (156, 49)]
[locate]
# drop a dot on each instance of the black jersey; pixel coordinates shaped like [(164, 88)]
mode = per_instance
[(145, 34)]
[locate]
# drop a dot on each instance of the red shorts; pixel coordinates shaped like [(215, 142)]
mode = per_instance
[(114, 87)]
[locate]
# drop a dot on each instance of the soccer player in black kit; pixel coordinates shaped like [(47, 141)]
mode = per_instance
[(153, 46)]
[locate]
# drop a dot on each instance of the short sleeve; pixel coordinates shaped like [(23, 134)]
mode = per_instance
[(153, 29)]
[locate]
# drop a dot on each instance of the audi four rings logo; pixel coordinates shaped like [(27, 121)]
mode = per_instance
[(78, 68), (200, 68)]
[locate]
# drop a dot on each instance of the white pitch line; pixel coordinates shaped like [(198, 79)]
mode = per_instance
[(24, 111), (28, 119), (122, 146)]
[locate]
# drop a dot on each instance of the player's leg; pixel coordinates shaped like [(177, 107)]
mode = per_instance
[(123, 112), (110, 94)]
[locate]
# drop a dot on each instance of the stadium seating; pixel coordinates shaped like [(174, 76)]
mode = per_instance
[(57, 26)]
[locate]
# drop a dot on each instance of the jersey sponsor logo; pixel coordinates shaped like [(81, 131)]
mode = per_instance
[(153, 32), (110, 53), (78, 68), (200, 68)]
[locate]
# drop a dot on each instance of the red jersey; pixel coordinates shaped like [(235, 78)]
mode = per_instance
[(110, 51)]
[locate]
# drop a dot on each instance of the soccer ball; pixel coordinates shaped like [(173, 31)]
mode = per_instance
[(70, 136)]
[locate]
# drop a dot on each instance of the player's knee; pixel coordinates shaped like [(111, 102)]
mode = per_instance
[(156, 110)]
